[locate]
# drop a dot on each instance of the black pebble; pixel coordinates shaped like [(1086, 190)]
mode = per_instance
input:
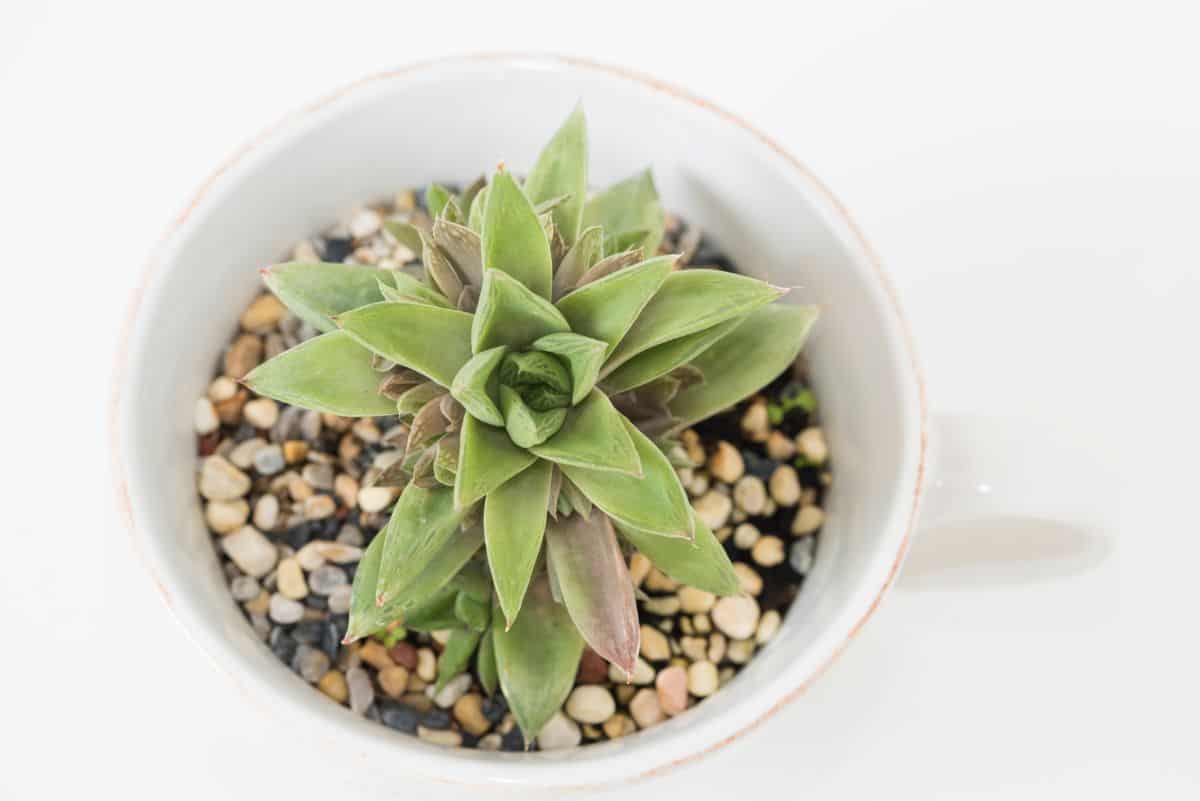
[(469, 740), (307, 631), (314, 601), (283, 645), (330, 527), (336, 249), (513, 741), (436, 719), (757, 465), (398, 716), (331, 638), (350, 570), (494, 709)]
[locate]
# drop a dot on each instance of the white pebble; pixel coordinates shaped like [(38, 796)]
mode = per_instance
[(266, 512), (736, 616), (713, 509), (750, 495), (591, 703), (702, 679), (222, 389), (811, 444), (261, 412), (284, 610), (455, 688), (768, 626), (221, 481), (559, 732), (204, 418), (339, 600), (253, 553), (226, 516), (242, 454), (375, 499), (365, 223)]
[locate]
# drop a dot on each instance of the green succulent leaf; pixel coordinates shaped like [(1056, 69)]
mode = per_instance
[(467, 199), (765, 344), (406, 234), (662, 359), (445, 462), (413, 400), (609, 265), (316, 292), (328, 373), (472, 385), (485, 663), (576, 501), (584, 357), (691, 301), (510, 314), (475, 215), (594, 436), (365, 615), (435, 613), (422, 524), (462, 247), (456, 656), (595, 586), (561, 169), (486, 459), (702, 564), (452, 212), (526, 426), (475, 581), (540, 378), (436, 198), (430, 340), (537, 658), (608, 308), (409, 290), (654, 502), (473, 613), (513, 238), (630, 205), (514, 520), (577, 260)]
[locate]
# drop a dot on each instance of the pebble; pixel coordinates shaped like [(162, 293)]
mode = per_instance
[(780, 447), (269, 460), (468, 711), (639, 568), (658, 581), (362, 693), (454, 689), (740, 651), (319, 507), (284, 610), (592, 668), (619, 725), (444, 737), (812, 446), (222, 388), (713, 509), (801, 556), (702, 679), (318, 475), (253, 553), (745, 535), (645, 708), (327, 578), (221, 481), (289, 579), (375, 655), (665, 606), (490, 742), (226, 516), (672, 686), (591, 703), (261, 412), (756, 422), (785, 486), (808, 520), (752, 583), (333, 684), (204, 418), (311, 663), (266, 512), (643, 674), (426, 665), (365, 223), (716, 647), (736, 616), (263, 314), (375, 499), (400, 717), (768, 626), (726, 463), (242, 454), (694, 648), (294, 450), (750, 495), (693, 601), (243, 355), (403, 653), (559, 732), (394, 680), (244, 588), (655, 647), (339, 600), (230, 411), (258, 604), (768, 551)]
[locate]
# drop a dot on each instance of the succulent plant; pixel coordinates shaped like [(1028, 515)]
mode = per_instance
[(543, 360)]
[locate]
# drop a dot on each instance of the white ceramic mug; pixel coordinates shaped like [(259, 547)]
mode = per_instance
[(449, 120)]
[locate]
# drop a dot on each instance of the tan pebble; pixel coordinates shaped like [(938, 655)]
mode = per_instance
[(716, 647), (655, 647), (346, 489), (745, 535), (294, 451), (253, 553), (336, 422), (290, 581), (702, 679), (685, 625), (672, 687), (222, 388), (490, 742), (769, 508), (319, 507), (694, 648), (243, 355), (625, 692), (768, 626), (375, 655), (266, 512), (263, 314), (768, 551), (726, 463), (441, 636), (590, 703), (447, 738), (298, 488), (724, 533), (642, 674), (698, 485), (426, 664), (309, 557), (258, 605), (808, 520), (692, 600), (416, 697), (785, 486), (740, 651), (750, 495), (333, 684), (702, 624), (226, 516), (394, 681), (691, 444), (337, 552), (221, 481), (726, 675), (366, 429), (812, 446), (204, 417), (230, 411), (242, 454), (619, 725), (752, 583), (713, 509), (658, 581), (756, 422), (665, 606), (736, 616), (645, 708), (780, 447), (375, 499), (349, 449), (416, 685), (468, 711)]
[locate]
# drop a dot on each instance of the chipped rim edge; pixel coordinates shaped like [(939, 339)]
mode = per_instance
[(154, 264)]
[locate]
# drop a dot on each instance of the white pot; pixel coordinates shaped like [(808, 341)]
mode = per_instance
[(450, 120)]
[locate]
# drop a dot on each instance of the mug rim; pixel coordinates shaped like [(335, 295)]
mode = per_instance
[(276, 134)]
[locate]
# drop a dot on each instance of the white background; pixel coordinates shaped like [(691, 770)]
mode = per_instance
[(1030, 172)]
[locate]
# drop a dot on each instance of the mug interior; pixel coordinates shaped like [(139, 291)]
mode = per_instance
[(450, 121)]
